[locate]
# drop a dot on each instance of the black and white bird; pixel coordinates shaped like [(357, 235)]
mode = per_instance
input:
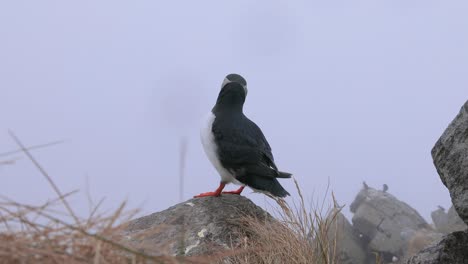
[(236, 146), (384, 187)]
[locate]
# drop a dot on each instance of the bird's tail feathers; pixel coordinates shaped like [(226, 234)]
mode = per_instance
[(282, 174), (270, 185)]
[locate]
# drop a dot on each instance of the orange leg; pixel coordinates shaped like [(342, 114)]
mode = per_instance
[(238, 191), (215, 193)]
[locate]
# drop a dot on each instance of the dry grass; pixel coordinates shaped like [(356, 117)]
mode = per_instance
[(299, 235), (39, 234), (43, 233), (52, 233)]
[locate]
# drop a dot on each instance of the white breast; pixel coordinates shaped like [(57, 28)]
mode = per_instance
[(209, 145)]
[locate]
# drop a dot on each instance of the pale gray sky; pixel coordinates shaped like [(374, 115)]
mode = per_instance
[(345, 91)]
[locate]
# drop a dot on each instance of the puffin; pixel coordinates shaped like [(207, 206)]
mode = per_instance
[(236, 146), (385, 187)]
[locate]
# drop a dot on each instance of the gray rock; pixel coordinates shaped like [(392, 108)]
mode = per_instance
[(450, 155), (440, 220), (385, 222), (349, 247), (452, 249), (447, 222), (200, 226), (455, 223), (420, 240)]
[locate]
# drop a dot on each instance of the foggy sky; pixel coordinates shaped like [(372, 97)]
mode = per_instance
[(345, 92)]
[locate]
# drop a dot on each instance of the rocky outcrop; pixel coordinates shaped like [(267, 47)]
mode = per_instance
[(385, 222), (420, 240), (447, 222), (382, 228), (450, 155), (440, 220), (349, 247), (452, 249), (200, 226), (455, 223)]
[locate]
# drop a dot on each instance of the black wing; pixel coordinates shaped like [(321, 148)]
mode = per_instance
[(243, 148)]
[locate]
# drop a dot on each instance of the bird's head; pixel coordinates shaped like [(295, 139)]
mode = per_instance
[(233, 92), (235, 78)]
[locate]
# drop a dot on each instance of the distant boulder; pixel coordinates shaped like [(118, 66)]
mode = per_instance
[(450, 155), (200, 226), (350, 249), (420, 240), (455, 223), (385, 222), (440, 220), (447, 222)]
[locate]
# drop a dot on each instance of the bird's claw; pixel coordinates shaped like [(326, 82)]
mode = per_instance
[(238, 191)]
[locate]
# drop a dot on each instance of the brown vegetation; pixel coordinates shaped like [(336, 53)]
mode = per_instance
[(300, 236), (53, 233)]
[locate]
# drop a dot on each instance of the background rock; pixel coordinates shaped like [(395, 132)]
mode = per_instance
[(350, 248), (452, 249), (447, 222), (455, 223), (440, 220), (420, 240), (200, 226), (385, 222), (450, 155)]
